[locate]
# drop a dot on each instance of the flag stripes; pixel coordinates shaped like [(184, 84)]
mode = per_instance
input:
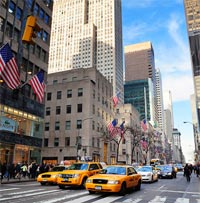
[(38, 86), (9, 71)]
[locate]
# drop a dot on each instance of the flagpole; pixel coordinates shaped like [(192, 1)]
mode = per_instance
[(145, 103)]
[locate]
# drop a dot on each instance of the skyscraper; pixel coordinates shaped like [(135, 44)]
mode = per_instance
[(140, 81), (85, 34), (21, 140), (192, 12)]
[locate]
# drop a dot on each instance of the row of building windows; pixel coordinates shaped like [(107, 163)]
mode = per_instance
[(69, 94), (68, 143)]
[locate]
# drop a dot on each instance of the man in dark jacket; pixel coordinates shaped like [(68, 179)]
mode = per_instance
[(187, 172)]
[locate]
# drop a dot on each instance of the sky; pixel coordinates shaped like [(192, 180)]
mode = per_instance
[(163, 23)]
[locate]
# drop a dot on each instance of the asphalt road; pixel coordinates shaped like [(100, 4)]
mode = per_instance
[(164, 191)]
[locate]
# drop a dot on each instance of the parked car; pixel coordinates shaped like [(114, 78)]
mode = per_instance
[(78, 173), (168, 172), (51, 176), (114, 178), (148, 173)]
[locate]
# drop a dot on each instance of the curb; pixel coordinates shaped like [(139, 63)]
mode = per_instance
[(17, 181)]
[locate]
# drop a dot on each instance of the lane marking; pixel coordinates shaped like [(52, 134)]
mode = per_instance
[(158, 199), (161, 187), (63, 198), (182, 200), (9, 189), (28, 195), (132, 200)]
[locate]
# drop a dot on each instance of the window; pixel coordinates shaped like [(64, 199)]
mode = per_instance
[(67, 125), (41, 14), (79, 108), (58, 110), (80, 92), (98, 143), (11, 7), (67, 141), (79, 124), (68, 109), (93, 109), (56, 142), (93, 125), (19, 13), (57, 125), (59, 94), (48, 111), (123, 151), (93, 142), (46, 142), (49, 96), (36, 9), (44, 36), (46, 19), (46, 126), (69, 93)]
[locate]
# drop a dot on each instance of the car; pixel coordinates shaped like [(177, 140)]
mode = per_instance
[(158, 168), (114, 178), (168, 171), (77, 174), (148, 173), (51, 176), (179, 167)]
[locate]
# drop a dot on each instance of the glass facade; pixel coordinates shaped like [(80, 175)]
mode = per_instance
[(134, 93)]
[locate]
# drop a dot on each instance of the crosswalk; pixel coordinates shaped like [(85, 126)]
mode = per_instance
[(55, 195)]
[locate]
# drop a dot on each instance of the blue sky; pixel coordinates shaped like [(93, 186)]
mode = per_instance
[(162, 22)]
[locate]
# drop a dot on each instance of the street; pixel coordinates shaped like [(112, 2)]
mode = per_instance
[(164, 191)]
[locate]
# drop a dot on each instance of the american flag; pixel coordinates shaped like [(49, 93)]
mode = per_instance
[(144, 124), (9, 71), (122, 128), (112, 128), (37, 83), (116, 99)]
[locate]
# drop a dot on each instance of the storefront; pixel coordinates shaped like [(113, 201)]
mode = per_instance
[(20, 136)]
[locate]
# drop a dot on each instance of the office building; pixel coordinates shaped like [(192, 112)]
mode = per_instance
[(192, 13), (140, 72), (78, 110), (21, 115), (88, 34)]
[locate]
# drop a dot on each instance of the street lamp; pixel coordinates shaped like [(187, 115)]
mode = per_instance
[(79, 140), (196, 135)]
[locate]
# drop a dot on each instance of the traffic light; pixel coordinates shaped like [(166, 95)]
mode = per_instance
[(30, 30)]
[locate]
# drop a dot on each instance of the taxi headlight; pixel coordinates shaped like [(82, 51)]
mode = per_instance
[(169, 173), (59, 175), (89, 181), (39, 176), (113, 182), (75, 175), (54, 176)]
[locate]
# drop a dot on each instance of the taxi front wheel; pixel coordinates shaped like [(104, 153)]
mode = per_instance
[(123, 189), (61, 186)]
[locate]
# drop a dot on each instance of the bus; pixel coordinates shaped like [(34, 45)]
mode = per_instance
[(154, 162)]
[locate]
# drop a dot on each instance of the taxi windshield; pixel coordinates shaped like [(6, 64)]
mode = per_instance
[(114, 170), (58, 168), (78, 166)]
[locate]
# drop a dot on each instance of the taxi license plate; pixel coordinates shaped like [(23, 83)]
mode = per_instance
[(44, 180), (66, 179), (97, 187)]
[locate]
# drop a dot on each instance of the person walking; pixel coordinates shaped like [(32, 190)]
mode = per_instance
[(187, 172)]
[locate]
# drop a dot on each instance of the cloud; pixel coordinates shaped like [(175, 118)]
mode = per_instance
[(177, 83)]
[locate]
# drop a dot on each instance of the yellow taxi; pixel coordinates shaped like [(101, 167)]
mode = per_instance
[(77, 174), (51, 176), (114, 178)]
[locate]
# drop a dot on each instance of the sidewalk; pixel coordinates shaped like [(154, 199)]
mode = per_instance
[(17, 180)]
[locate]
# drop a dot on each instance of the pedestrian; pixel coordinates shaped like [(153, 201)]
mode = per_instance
[(187, 172)]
